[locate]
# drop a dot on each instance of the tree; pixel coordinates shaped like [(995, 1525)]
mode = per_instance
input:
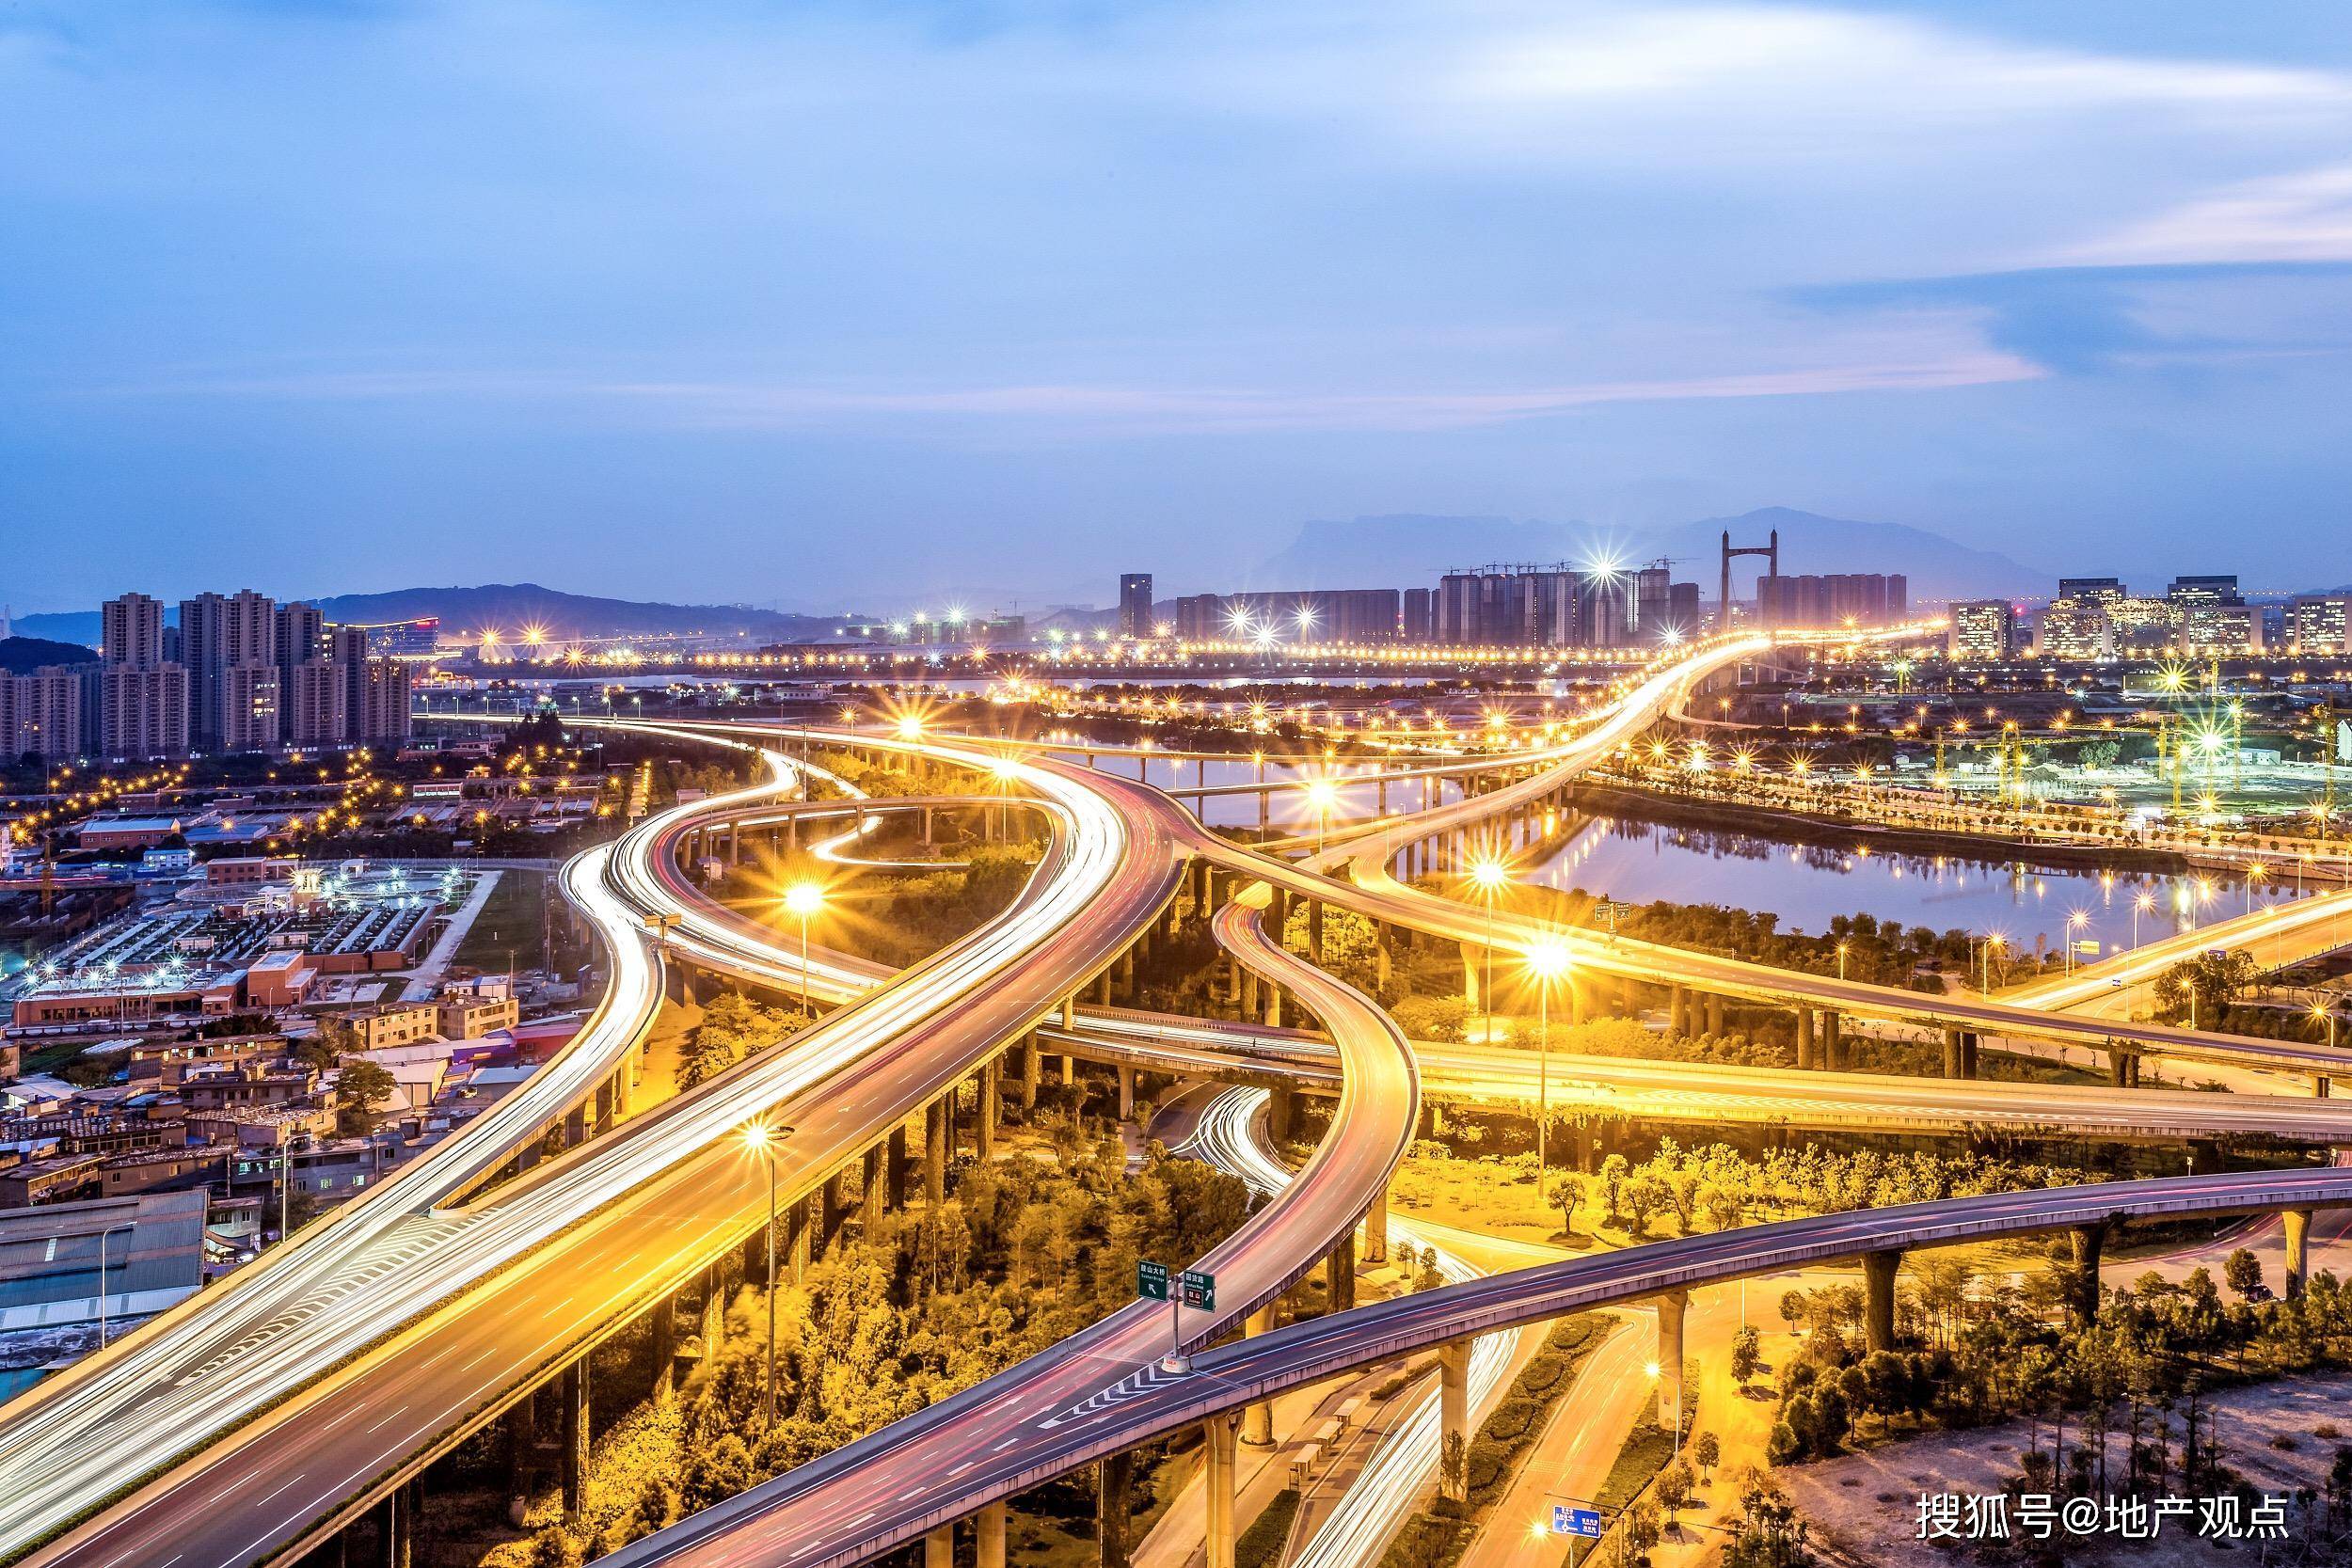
[(1613, 1171), (1567, 1193), (1747, 1356), (1644, 1196), (2243, 1273), (1641, 1528), (1792, 1309), (363, 1086), (1708, 1449), (2206, 984), (1674, 1485)]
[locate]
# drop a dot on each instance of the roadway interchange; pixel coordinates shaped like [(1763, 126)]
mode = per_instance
[(670, 1195)]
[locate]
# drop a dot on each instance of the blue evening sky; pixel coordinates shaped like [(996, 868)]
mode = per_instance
[(819, 303)]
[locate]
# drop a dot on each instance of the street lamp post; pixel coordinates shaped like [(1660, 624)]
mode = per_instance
[(800, 901), (763, 1137), (1547, 960), (1490, 875)]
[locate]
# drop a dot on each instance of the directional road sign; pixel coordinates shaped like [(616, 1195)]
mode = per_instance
[(1200, 1289), (1152, 1279), (1576, 1521)]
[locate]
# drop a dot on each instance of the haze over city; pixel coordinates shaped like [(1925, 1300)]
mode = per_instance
[(847, 297)]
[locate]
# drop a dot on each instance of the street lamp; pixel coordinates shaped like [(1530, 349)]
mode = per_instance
[(2321, 1010), (765, 1137), (2145, 903), (2074, 923), (800, 901), (1490, 875), (1841, 960), (1322, 795), (1547, 960)]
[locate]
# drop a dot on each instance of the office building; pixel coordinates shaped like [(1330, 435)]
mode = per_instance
[(417, 638), (2210, 628), (41, 714), (2091, 591), (2076, 629), (2205, 590), (2316, 623), (1983, 629), (1134, 606)]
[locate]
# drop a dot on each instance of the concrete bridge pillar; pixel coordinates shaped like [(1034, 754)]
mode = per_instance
[(800, 1235), (1221, 1491), (1383, 956), (1877, 1298), (1833, 1041), (897, 1164), (2320, 1086), (1341, 1274), (989, 1537), (873, 1190), (664, 1348), (1068, 1069), (1257, 1421), (1031, 1070), (984, 1125), (1249, 991), (1804, 1039), (1955, 1053), (1671, 1307), (574, 1459), (1102, 988), (1126, 975), (1280, 1102), (2122, 1067), (1114, 1477), (2299, 1222), (1314, 930), (1968, 1068), (1453, 1424), (939, 1547), (714, 1309), (1126, 1092), (1679, 1012), (2090, 1241), (1272, 1005), (935, 1152), (1715, 1014), (1377, 1228)]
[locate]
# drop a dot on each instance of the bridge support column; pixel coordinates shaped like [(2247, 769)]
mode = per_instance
[(664, 1348), (2122, 1067), (521, 1435), (1877, 1298), (799, 1239), (872, 1187), (1670, 1309), (1257, 1421), (1341, 1274), (1968, 1068), (574, 1459), (2320, 1086), (1955, 1053), (1221, 1491), (1832, 1042), (984, 1127), (1280, 1100), (1126, 976), (1715, 1015), (894, 1176), (394, 1528), (935, 1152), (1804, 1038), (1249, 991), (1454, 1411), (1068, 1069), (1102, 988), (2299, 1222), (939, 1547), (2090, 1241), (1470, 976), (1126, 1092), (1114, 1477), (1314, 930), (1383, 956), (714, 1311), (989, 1537), (1032, 1070), (1377, 1228), (1272, 1005)]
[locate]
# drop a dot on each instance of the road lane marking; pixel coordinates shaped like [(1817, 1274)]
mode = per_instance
[(291, 1480), (390, 1419)]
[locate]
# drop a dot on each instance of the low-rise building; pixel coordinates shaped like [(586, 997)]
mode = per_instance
[(119, 1257), (382, 1026)]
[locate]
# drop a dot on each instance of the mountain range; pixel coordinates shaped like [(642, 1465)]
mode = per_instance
[(1413, 549), (510, 606)]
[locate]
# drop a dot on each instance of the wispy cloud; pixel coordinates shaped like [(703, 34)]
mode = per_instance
[(2304, 216)]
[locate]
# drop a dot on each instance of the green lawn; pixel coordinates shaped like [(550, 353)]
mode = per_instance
[(510, 920)]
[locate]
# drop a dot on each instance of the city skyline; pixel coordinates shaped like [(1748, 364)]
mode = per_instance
[(1158, 276)]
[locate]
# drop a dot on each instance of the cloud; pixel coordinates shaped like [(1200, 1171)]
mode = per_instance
[(2304, 216)]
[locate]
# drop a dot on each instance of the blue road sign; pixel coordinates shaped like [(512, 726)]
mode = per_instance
[(1576, 1521)]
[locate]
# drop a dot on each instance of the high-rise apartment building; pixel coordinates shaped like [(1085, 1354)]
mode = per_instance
[(131, 632), (1321, 615), (316, 705), (1835, 599), (299, 636), (41, 714), (1983, 629), (1134, 606), (386, 720), (220, 633)]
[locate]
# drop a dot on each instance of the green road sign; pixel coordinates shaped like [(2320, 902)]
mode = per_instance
[(1200, 1289), (1152, 1279)]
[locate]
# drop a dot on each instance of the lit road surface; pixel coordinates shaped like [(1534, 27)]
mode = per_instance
[(801, 1518), (1054, 1411), (234, 1350), (559, 1257), (1231, 1137)]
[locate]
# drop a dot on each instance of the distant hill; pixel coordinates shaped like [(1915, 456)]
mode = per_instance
[(509, 606), (22, 656), (1413, 549)]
